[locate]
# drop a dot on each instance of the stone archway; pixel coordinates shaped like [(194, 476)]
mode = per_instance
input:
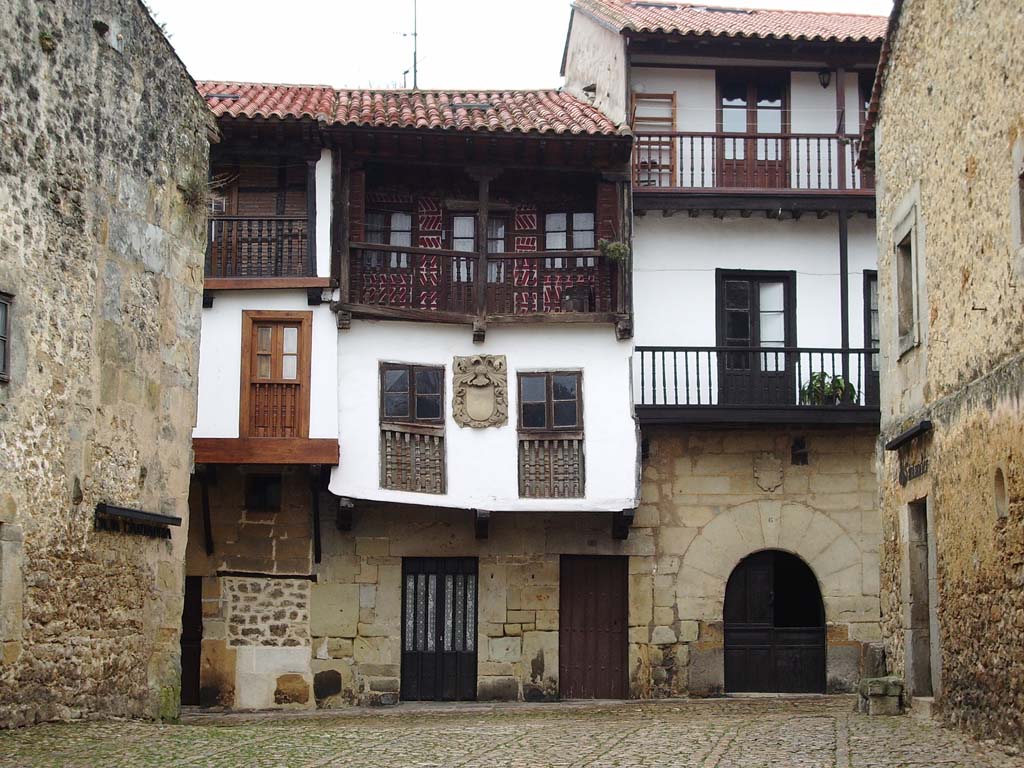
[(830, 551)]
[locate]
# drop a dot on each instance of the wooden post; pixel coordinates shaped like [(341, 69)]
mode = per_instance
[(844, 289), (483, 203), (206, 476), (841, 125), (342, 258), (311, 217)]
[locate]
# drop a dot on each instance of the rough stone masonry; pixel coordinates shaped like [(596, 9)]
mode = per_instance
[(103, 156)]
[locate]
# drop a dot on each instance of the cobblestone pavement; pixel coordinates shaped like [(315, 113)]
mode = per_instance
[(734, 733)]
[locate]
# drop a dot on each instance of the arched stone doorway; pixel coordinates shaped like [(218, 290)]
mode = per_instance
[(774, 626)]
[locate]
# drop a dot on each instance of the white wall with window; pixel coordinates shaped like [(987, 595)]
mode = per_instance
[(481, 465)]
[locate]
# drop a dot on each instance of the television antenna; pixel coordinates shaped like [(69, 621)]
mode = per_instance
[(415, 47)]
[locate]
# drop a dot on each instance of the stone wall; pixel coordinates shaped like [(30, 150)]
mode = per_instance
[(103, 155), (951, 142), (710, 498)]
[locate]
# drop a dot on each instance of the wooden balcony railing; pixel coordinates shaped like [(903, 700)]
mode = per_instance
[(804, 162), (257, 247), (759, 377), (515, 284)]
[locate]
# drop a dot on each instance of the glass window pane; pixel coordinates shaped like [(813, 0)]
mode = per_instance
[(431, 611), (263, 336), (289, 367), (533, 415), (428, 406), (291, 340), (448, 611), (737, 325), (410, 608), (564, 387), (3, 318), (772, 297), (770, 121), (396, 406), (583, 240), (554, 241), (533, 389), (428, 381), (773, 328), (401, 222), (460, 612), (470, 612), (734, 120), (396, 380), (582, 221), (737, 294), (495, 228), (376, 227), (565, 414), (263, 366), (463, 226), (3, 355), (421, 604), (554, 222)]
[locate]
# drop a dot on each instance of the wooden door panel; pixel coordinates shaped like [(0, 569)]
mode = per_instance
[(592, 621), (191, 640)]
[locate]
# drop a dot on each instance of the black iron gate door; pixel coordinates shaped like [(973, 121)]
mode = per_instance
[(774, 627), (439, 599)]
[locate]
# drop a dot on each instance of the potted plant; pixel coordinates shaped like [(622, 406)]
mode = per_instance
[(825, 389), (613, 250)]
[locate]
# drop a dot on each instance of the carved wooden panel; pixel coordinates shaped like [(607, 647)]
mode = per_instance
[(412, 459), (551, 468)]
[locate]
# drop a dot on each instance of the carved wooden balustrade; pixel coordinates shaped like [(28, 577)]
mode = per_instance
[(257, 247), (514, 284)]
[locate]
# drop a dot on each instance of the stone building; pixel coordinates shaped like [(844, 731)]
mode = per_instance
[(754, 372), (946, 139), (103, 157)]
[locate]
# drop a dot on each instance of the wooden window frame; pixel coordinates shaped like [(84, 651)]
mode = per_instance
[(788, 280), (753, 77), (7, 300), (870, 276), (411, 420), (533, 433), (250, 318), (570, 237)]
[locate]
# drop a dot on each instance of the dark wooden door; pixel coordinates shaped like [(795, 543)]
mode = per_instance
[(756, 314), (592, 641), (756, 157), (439, 599), (191, 640), (774, 627)]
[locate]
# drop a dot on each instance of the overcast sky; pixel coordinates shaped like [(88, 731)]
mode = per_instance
[(359, 43)]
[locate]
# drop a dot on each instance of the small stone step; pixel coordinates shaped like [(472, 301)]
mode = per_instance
[(921, 707)]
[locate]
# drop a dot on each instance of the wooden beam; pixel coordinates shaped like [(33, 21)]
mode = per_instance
[(481, 523), (311, 217), (622, 520), (844, 289), (314, 509), (265, 450), (207, 475), (264, 283)]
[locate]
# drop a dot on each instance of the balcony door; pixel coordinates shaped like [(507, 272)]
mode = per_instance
[(754, 109), (756, 314)]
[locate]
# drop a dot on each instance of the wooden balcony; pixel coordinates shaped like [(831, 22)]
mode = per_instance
[(733, 165), (260, 252), (403, 282), (751, 385)]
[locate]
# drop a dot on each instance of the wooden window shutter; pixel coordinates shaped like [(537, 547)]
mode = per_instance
[(607, 211)]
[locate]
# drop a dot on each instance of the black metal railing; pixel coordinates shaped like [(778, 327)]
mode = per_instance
[(257, 247), (757, 376)]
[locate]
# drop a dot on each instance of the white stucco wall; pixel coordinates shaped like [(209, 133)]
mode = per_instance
[(482, 464), (675, 260), (220, 361), (596, 55)]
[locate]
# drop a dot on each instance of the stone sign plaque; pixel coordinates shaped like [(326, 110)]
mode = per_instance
[(480, 391)]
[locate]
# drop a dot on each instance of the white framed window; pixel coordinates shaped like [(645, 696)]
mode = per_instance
[(907, 282)]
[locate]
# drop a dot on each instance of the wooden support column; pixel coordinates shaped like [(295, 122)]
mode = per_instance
[(315, 484), (844, 289), (483, 177), (314, 296), (841, 126), (343, 230), (481, 522), (206, 477)]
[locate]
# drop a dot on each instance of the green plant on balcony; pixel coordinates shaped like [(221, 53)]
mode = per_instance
[(825, 389), (613, 250)]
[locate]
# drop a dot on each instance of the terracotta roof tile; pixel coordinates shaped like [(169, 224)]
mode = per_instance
[(712, 21), (494, 111)]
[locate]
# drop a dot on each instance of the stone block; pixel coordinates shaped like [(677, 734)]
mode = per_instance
[(372, 546), (513, 630), (493, 593), (664, 597), (880, 696), (334, 609), (339, 648), (497, 689), (539, 598), (664, 615), (663, 636), (367, 596), (641, 599), (689, 631), (540, 652), (504, 648), (291, 689), (375, 650), (547, 620), (521, 617)]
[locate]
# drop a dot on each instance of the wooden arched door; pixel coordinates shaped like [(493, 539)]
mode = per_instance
[(774, 626)]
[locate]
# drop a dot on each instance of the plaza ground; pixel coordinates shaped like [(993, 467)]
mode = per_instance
[(817, 732)]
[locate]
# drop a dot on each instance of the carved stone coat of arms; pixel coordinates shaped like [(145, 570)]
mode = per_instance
[(480, 391)]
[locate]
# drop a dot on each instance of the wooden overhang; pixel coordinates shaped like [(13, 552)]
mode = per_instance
[(265, 450), (921, 428), (738, 415)]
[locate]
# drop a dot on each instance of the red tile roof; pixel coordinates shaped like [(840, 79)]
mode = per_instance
[(713, 21), (551, 111)]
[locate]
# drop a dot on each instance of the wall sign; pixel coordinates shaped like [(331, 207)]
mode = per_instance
[(912, 471)]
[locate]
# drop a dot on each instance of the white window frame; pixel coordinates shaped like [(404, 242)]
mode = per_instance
[(907, 227)]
